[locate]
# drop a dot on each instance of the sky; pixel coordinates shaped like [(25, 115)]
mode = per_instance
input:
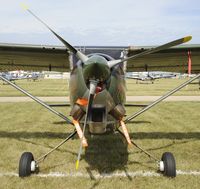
[(100, 22)]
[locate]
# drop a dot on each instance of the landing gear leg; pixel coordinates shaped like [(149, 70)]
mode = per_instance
[(166, 165), (28, 165)]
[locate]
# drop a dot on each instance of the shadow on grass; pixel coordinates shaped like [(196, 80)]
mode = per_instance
[(165, 135), (161, 147), (106, 154), (48, 146), (138, 135), (60, 123), (138, 122), (29, 135), (130, 122)]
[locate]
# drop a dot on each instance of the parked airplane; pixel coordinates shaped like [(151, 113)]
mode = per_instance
[(34, 76), (97, 95), (148, 76), (11, 76)]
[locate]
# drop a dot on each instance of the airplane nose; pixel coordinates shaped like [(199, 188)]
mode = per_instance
[(96, 69)]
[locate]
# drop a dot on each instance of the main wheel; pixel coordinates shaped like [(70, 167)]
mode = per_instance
[(26, 164), (168, 165)]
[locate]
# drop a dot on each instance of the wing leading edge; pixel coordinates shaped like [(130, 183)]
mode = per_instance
[(57, 58), (33, 58), (172, 60)]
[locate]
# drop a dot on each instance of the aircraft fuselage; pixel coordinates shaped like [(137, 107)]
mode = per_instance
[(108, 106)]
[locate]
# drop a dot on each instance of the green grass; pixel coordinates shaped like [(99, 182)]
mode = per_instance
[(171, 126), (160, 87), (59, 87), (117, 183), (43, 87)]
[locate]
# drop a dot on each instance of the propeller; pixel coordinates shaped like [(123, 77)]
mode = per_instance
[(98, 67), (79, 54), (150, 51), (111, 63), (93, 85)]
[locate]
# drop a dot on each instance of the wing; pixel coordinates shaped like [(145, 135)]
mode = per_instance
[(173, 60), (112, 51), (50, 58), (57, 58), (33, 58)]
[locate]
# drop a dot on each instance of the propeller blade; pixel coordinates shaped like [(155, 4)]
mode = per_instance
[(79, 54), (159, 48), (93, 85)]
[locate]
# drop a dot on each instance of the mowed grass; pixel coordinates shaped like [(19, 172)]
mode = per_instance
[(160, 87), (41, 87), (171, 126), (59, 87)]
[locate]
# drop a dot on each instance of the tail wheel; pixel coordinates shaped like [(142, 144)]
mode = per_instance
[(26, 164), (168, 164)]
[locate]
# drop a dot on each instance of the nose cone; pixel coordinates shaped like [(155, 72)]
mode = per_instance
[(96, 68)]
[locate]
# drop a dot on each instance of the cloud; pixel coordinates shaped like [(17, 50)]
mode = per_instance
[(105, 22)]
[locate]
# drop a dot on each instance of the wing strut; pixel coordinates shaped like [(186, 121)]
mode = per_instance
[(160, 99), (37, 100)]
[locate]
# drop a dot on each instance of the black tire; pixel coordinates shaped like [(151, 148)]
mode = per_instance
[(169, 164), (25, 164)]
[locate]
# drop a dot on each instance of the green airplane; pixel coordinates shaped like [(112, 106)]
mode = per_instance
[(97, 100)]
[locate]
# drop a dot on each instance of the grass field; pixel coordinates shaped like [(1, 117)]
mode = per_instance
[(171, 126), (160, 87), (59, 87), (43, 87)]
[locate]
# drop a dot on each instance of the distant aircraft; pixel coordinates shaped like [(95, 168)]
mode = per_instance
[(97, 93), (10, 76), (148, 76), (33, 76)]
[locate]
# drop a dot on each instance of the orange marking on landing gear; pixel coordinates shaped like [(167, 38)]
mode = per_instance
[(125, 131), (80, 133), (82, 101)]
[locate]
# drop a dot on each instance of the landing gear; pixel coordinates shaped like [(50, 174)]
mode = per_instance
[(27, 165), (168, 165)]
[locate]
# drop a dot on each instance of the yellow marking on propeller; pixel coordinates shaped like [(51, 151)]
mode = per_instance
[(25, 7), (77, 164), (186, 39)]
